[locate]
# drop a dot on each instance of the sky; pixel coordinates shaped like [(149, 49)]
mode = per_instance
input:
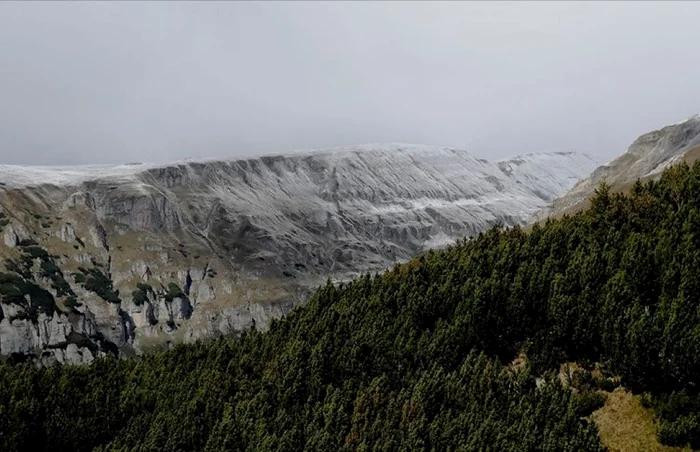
[(119, 82)]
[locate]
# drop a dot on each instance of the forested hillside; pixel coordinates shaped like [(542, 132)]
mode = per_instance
[(419, 358)]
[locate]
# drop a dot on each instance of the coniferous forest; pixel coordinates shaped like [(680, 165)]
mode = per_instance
[(419, 357)]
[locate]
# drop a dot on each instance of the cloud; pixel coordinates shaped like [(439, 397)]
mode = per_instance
[(114, 82)]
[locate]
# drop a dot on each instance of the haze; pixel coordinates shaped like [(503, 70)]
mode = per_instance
[(115, 82)]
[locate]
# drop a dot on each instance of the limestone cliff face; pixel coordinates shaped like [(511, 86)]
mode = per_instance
[(141, 256), (645, 159)]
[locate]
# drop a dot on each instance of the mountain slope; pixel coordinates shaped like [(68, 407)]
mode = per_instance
[(547, 174), (645, 159), (419, 357), (153, 254)]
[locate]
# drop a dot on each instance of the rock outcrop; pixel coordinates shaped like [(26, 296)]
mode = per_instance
[(645, 159)]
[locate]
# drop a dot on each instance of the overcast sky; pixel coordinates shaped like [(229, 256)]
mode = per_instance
[(111, 82)]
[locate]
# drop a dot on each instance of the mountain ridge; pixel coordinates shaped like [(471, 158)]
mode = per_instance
[(197, 249), (644, 159)]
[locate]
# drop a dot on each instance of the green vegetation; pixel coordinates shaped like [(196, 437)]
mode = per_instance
[(173, 292), (19, 287), (72, 302), (140, 295), (36, 252), (99, 283), (49, 269), (14, 289), (4, 221), (418, 358)]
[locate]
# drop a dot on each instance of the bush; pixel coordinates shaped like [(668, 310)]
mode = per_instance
[(683, 432), (61, 285), (11, 293), (72, 302), (173, 292), (140, 295), (36, 252), (605, 384), (98, 283), (49, 268), (10, 278), (588, 402)]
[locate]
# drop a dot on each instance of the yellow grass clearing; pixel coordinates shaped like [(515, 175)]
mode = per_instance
[(625, 425)]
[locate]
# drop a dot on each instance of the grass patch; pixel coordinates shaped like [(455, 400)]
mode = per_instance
[(626, 426)]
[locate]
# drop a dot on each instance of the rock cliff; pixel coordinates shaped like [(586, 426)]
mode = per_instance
[(120, 259)]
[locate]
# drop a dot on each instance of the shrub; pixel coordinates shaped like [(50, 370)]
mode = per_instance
[(588, 402), (72, 302), (173, 292), (140, 295), (61, 285), (683, 432), (36, 252), (98, 283), (10, 278), (49, 268), (11, 293), (606, 384)]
